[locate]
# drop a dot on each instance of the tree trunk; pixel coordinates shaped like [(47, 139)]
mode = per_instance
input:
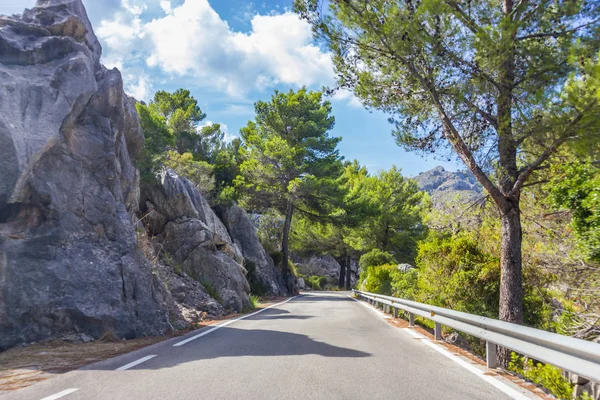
[(511, 287), (285, 263), (342, 279), (348, 271)]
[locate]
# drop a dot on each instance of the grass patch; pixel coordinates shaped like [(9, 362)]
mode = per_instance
[(254, 301), (212, 292)]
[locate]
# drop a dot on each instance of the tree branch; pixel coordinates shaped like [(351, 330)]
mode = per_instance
[(556, 34), (527, 171)]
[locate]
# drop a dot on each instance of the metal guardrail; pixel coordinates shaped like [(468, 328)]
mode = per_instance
[(575, 355)]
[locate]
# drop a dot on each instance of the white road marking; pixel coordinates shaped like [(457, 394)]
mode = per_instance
[(514, 394), (230, 322), (60, 394), (136, 362)]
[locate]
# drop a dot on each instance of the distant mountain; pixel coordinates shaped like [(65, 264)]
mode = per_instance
[(444, 185)]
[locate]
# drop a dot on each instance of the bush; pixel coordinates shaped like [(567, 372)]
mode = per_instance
[(375, 258), (316, 282), (454, 272), (200, 173), (254, 301), (545, 375), (405, 284), (379, 279)]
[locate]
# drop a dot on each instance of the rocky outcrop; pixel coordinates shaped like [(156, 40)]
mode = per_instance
[(326, 266), (445, 186), (263, 274), (183, 224), (69, 259)]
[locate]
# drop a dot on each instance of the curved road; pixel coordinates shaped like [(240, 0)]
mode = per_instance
[(316, 346)]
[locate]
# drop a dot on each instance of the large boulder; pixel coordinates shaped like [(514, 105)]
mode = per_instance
[(69, 259), (184, 225), (262, 272), (326, 266)]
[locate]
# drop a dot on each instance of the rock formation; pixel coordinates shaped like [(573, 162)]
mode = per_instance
[(326, 266), (183, 224), (243, 232), (69, 258), (444, 186)]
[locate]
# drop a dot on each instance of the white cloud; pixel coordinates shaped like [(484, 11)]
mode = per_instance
[(166, 6), (348, 97), (135, 7), (138, 84), (192, 41)]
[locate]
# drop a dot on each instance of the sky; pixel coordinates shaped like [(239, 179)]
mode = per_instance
[(229, 54)]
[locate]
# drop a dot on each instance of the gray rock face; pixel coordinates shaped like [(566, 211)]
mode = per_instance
[(444, 185), (404, 267), (326, 266), (243, 233), (69, 260), (183, 223)]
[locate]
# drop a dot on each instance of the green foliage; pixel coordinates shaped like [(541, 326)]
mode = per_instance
[(406, 284), (269, 232), (254, 301), (174, 139), (379, 279), (394, 221), (290, 161), (545, 375), (200, 173), (293, 269), (374, 258), (316, 282), (257, 286), (575, 186), (289, 156), (454, 272)]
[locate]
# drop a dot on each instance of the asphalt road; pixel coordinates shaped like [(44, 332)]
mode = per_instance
[(316, 346)]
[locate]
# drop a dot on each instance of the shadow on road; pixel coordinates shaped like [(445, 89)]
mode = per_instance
[(277, 313), (232, 342)]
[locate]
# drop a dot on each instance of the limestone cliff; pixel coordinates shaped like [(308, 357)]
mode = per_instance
[(69, 259)]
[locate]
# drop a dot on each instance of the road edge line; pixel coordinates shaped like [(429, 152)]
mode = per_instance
[(136, 362), (504, 388), (61, 394)]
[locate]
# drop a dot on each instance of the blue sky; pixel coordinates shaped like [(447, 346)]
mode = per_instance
[(230, 53)]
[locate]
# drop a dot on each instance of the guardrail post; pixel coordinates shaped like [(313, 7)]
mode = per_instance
[(490, 355), (438, 331), (411, 319), (395, 311)]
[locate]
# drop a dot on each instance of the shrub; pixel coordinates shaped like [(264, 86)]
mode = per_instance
[(374, 258), (545, 375), (405, 284), (379, 279), (316, 282), (454, 272), (254, 301), (200, 173)]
